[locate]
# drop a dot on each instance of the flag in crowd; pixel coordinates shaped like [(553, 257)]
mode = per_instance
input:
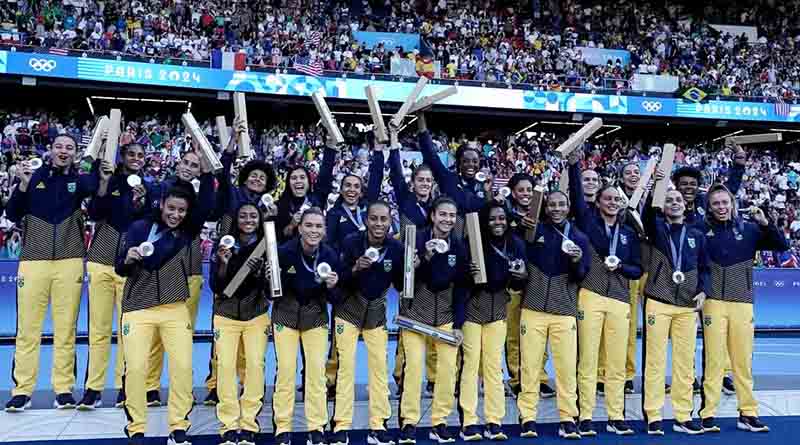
[(228, 60), (307, 65)]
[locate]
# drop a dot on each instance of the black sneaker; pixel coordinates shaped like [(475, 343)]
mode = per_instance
[(709, 426), (91, 399), (471, 433), (408, 434), (440, 434), (568, 430), (697, 388), (153, 398), (601, 389), (528, 429), (495, 432), (137, 439), (752, 424), (211, 398), (619, 427), (689, 427), (230, 438), (339, 438), (429, 389), (283, 439), (546, 392), (380, 437), (655, 429), (120, 399), (727, 386), (64, 401), (586, 428), (667, 388), (629, 387), (178, 437), (315, 438), (247, 438), (18, 403)]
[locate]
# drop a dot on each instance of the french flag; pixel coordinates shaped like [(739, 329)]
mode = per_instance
[(228, 60)]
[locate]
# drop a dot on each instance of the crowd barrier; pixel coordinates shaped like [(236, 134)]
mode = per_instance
[(776, 293)]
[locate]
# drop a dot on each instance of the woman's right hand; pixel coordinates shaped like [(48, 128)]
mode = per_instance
[(133, 255), (224, 254)]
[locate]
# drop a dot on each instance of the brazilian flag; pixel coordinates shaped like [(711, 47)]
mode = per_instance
[(694, 94)]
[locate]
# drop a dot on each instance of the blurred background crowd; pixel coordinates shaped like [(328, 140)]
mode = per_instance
[(518, 41), (772, 176)]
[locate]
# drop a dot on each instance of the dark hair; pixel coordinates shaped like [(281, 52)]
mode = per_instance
[(312, 211), (123, 151), (687, 171), (379, 203), (462, 150), (66, 135), (484, 216), (605, 187), (420, 168), (254, 165), (438, 202), (234, 229), (183, 191), (515, 180)]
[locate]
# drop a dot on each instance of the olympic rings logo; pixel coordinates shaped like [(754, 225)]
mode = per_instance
[(651, 106), (45, 65)]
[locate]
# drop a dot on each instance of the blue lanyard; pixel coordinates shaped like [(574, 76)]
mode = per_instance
[(422, 210), (153, 236), (677, 254), (567, 226), (612, 248), (357, 221)]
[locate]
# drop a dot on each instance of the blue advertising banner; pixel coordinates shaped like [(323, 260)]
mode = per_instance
[(390, 40), (601, 56), (105, 70), (776, 301)]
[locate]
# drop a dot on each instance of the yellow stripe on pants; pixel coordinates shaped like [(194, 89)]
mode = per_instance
[(315, 346), (228, 336), (156, 358), (661, 322), (346, 343), (731, 324), (636, 292), (105, 295), (172, 324), (442, 405), (36, 282), (483, 348), (513, 308), (536, 329), (598, 314)]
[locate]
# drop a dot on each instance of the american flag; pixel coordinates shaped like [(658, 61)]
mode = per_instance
[(782, 108), (307, 66), (59, 51), (314, 37)]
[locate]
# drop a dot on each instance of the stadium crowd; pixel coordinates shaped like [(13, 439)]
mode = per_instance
[(771, 180), (477, 40)]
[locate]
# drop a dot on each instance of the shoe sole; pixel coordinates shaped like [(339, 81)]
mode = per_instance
[(472, 438), (407, 441), (246, 442), (728, 392), (153, 404), (611, 429), (591, 433), (231, 443), (713, 429), (655, 433), (529, 435), (83, 407), (572, 436), (746, 427), (65, 406), (374, 441), (14, 409), (547, 395), (680, 429), (434, 436)]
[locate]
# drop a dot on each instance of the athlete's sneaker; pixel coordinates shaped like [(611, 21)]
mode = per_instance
[(408, 434), (178, 437), (689, 427), (91, 399), (64, 401), (619, 427), (655, 429), (230, 438), (137, 439), (709, 426), (727, 386), (528, 430), (18, 403), (440, 434), (629, 387), (495, 432), (154, 398), (601, 389), (120, 399), (380, 437), (546, 392), (283, 439), (586, 428), (568, 430), (247, 438), (339, 438), (211, 398), (752, 424), (471, 433), (315, 438)]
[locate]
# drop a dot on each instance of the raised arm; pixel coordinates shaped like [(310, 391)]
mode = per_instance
[(324, 184), (396, 175), (580, 208), (375, 176)]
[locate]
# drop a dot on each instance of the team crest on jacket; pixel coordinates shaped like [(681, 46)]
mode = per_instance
[(387, 265), (71, 187), (701, 211), (342, 219), (339, 328), (710, 233), (216, 334), (291, 270), (691, 243), (451, 260), (651, 320), (20, 282), (115, 193), (707, 320), (41, 186), (126, 329), (623, 239), (540, 240)]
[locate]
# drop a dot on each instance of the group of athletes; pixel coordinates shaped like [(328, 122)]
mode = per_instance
[(573, 276)]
